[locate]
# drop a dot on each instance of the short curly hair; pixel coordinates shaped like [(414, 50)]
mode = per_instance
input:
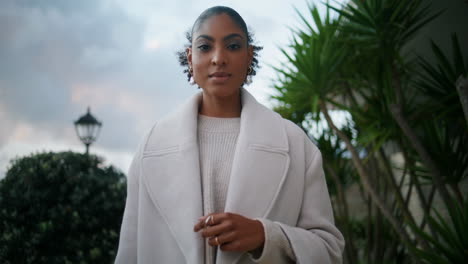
[(213, 11)]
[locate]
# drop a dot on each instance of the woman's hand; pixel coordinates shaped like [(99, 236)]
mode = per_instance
[(232, 232)]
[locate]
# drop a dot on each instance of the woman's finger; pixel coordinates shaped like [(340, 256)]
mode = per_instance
[(218, 229), (231, 246), (211, 220), (199, 225), (221, 239)]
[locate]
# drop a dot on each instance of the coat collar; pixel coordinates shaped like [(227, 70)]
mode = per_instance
[(260, 124), (171, 170)]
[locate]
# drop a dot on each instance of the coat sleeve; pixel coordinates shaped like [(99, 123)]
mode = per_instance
[(127, 251), (315, 239), (276, 249)]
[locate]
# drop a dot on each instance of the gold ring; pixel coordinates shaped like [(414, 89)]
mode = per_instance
[(212, 221), (217, 241), (208, 220)]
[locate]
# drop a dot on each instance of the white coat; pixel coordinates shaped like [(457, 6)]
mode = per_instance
[(276, 175)]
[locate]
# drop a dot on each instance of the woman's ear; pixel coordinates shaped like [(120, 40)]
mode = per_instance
[(250, 52), (188, 51)]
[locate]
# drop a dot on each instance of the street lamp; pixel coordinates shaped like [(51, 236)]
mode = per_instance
[(87, 128)]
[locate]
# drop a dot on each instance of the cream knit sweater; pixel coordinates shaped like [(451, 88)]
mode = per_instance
[(217, 139)]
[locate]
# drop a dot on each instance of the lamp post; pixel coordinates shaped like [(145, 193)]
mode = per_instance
[(87, 128)]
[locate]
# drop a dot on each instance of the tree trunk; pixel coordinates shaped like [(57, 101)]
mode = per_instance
[(363, 175), (396, 189), (457, 192), (350, 248), (427, 213), (418, 146)]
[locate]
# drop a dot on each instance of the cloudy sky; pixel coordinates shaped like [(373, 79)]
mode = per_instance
[(57, 57)]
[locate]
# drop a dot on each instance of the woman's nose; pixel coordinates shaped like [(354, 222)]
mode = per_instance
[(219, 57)]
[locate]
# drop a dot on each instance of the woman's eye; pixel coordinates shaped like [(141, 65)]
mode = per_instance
[(234, 46), (204, 47)]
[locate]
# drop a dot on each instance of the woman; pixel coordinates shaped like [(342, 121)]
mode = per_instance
[(224, 179)]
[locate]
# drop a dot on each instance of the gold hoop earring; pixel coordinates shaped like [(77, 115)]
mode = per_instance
[(192, 80), (248, 79)]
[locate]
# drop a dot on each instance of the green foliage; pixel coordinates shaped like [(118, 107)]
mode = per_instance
[(314, 62), (440, 115), (452, 243), (376, 69), (60, 208), (384, 26), (437, 82), (355, 61), (337, 159)]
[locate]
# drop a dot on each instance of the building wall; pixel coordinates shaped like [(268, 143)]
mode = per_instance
[(453, 19)]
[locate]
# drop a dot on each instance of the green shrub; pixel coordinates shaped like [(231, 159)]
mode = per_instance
[(60, 208)]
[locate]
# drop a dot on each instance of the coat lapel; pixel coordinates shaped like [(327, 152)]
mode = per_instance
[(171, 173), (261, 157), (260, 165)]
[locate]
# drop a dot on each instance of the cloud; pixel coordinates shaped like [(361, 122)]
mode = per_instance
[(60, 57), (116, 56), (5, 123)]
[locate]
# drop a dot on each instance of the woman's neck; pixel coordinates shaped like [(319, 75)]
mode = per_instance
[(220, 107)]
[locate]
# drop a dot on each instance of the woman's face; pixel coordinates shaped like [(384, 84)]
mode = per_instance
[(219, 56)]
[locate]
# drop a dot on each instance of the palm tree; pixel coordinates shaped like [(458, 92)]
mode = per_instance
[(354, 60)]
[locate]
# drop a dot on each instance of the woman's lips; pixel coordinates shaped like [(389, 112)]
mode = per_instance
[(219, 76)]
